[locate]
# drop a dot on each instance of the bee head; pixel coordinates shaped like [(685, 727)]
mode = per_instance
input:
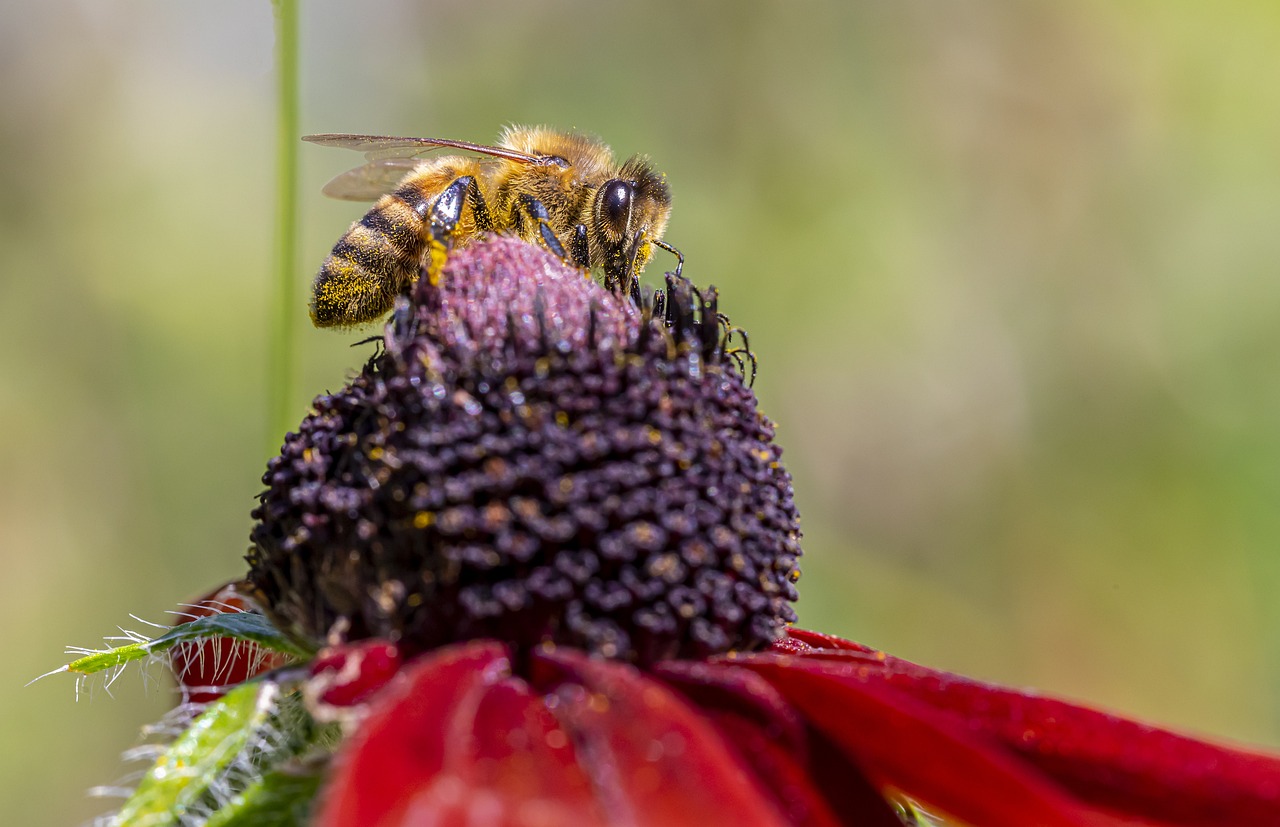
[(629, 212)]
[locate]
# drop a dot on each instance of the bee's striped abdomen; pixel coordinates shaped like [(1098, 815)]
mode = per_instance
[(381, 255), (370, 265)]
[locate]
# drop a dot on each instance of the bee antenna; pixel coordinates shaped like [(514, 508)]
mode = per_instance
[(673, 251)]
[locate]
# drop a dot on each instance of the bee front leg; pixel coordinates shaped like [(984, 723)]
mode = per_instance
[(578, 248), (532, 209), (620, 266)]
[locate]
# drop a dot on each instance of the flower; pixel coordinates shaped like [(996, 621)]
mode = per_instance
[(535, 459), (550, 549)]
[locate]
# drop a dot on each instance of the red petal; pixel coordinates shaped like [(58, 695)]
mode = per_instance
[(817, 640), (733, 690), (523, 752), (925, 753), (771, 738), (352, 673), (795, 786), (1128, 766), (654, 759), (203, 669), (459, 741)]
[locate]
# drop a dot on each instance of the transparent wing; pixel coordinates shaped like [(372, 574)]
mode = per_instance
[(377, 147), (370, 181)]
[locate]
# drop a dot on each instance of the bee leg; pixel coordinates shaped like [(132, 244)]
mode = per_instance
[(538, 213), (579, 251), (442, 221), (400, 329), (479, 208), (673, 251), (630, 280), (620, 266), (446, 210)]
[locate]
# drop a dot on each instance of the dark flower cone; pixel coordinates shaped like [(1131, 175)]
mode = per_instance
[(534, 459)]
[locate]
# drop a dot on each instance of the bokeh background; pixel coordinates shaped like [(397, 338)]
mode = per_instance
[(1010, 269)]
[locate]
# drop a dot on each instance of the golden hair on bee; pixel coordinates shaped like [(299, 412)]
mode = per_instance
[(562, 189)]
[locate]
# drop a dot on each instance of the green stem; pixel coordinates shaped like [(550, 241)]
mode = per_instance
[(281, 347)]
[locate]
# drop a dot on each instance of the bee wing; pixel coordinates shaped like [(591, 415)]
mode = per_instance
[(368, 182), (378, 147)]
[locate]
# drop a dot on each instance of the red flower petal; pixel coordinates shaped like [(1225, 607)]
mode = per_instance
[(654, 759), (1130, 767), (795, 787), (350, 674), (204, 669), (925, 753), (816, 640), (460, 742), (813, 784)]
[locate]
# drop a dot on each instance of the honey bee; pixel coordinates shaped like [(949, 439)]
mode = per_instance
[(562, 189)]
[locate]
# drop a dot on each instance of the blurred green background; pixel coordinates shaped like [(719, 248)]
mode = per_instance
[(1010, 269)]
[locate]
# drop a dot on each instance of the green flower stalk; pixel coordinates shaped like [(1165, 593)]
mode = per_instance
[(281, 353)]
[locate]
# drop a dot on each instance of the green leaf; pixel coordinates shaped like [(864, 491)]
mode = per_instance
[(281, 798), (182, 777), (237, 764), (247, 626)]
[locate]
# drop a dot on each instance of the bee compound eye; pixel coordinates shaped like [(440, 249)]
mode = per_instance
[(616, 200)]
